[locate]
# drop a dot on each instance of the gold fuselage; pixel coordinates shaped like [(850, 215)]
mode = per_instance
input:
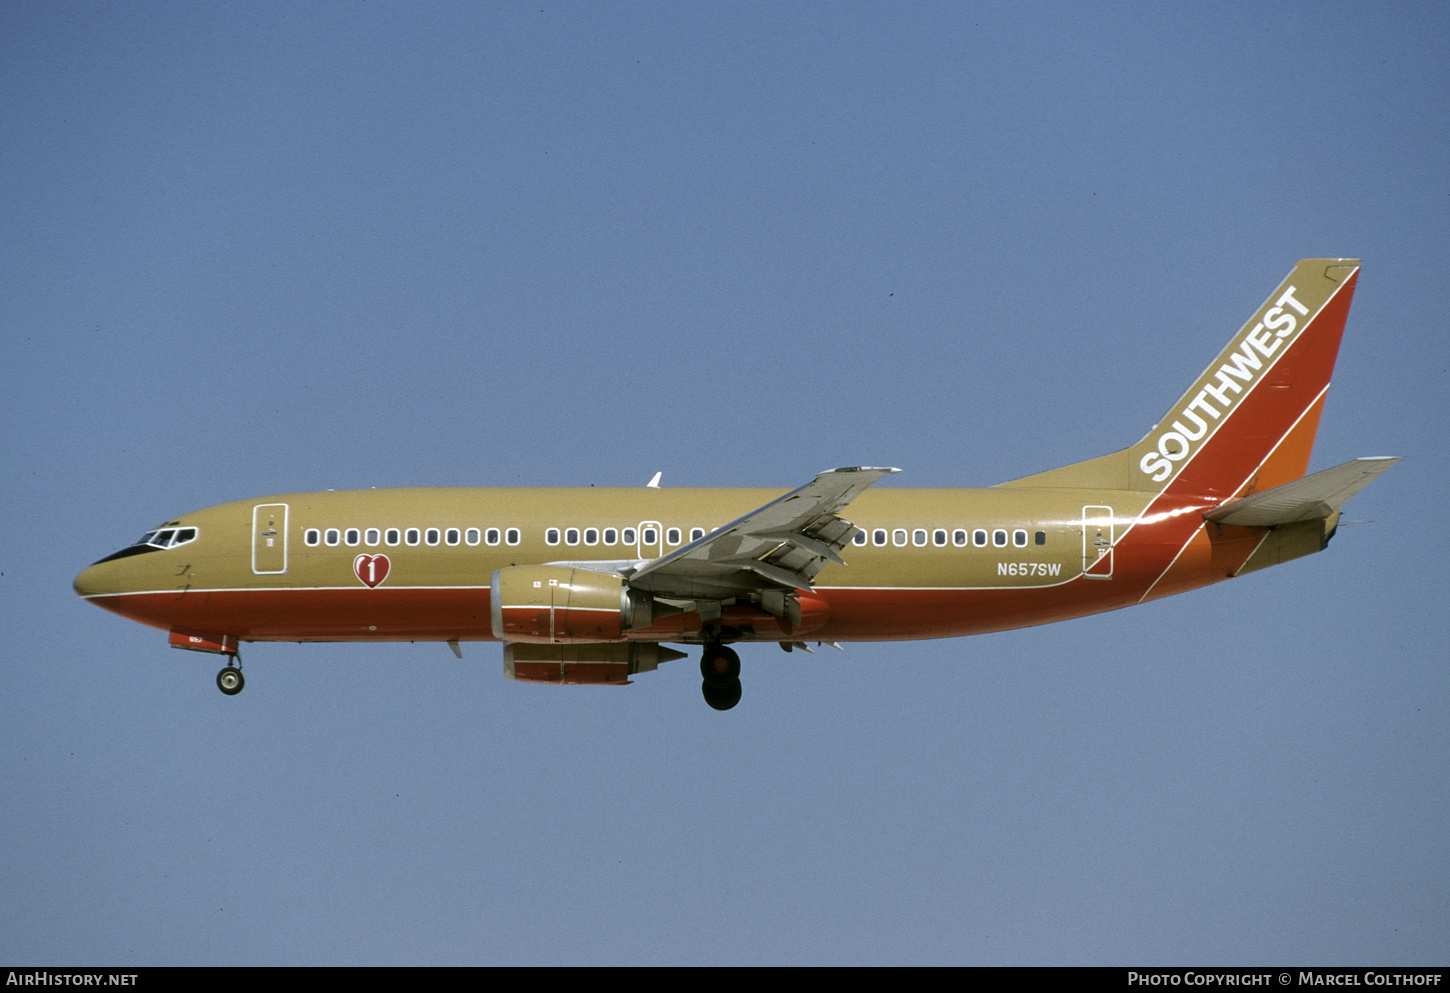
[(953, 562)]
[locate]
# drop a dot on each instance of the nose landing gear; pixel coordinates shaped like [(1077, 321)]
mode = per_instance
[(230, 680), (720, 667)]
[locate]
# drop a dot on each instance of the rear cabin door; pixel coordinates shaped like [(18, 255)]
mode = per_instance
[(1097, 542)]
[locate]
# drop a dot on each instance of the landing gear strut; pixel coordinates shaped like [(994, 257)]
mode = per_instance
[(720, 667), (230, 680)]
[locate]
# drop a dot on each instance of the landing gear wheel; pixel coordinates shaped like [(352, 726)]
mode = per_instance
[(721, 697), (230, 680), (720, 666)]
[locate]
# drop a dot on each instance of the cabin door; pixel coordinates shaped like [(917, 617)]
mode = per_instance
[(269, 539), (1097, 542)]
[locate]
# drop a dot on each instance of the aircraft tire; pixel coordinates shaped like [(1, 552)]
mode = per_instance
[(720, 666), (721, 697), (230, 680)]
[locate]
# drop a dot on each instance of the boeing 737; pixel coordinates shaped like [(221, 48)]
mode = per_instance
[(587, 585)]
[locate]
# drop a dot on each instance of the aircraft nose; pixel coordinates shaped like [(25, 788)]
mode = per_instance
[(88, 583), (98, 580)]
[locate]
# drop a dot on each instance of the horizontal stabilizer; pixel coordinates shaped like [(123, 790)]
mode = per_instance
[(1309, 499)]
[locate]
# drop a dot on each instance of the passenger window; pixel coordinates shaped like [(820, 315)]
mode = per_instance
[(432, 536), (1042, 537), (372, 536), (551, 536), (472, 537), (513, 536), (1019, 538), (939, 537), (918, 537), (979, 538), (878, 537), (353, 537), (959, 537), (412, 536), (311, 536), (999, 538), (672, 536), (571, 536), (627, 536), (491, 536), (611, 536), (591, 536), (392, 537), (696, 534), (333, 536), (898, 537), (451, 536), (859, 538)]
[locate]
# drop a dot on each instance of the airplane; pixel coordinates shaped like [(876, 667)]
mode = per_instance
[(585, 586)]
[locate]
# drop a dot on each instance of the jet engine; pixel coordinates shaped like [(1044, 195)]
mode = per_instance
[(557, 605)]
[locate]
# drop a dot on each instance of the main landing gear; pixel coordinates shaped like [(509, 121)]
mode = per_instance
[(720, 667), (230, 680)]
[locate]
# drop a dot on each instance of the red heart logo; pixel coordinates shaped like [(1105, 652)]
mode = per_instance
[(371, 569)]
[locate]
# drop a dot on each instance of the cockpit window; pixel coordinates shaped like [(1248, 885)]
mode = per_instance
[(167, 537)]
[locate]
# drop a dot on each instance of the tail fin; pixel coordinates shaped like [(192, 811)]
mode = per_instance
[(1249, 421)]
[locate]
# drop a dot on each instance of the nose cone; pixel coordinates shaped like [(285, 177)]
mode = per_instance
[(120, 572), (118, 585), (139, 585), (97, 580)]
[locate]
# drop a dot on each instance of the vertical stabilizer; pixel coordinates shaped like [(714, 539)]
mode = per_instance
[(1248, 421)]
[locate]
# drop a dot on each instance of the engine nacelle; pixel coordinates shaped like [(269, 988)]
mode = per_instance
[(557, 605)]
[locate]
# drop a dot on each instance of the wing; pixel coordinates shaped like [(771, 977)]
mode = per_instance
[(780, 546)]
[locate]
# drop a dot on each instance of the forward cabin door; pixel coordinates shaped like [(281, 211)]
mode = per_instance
[(1097, 542), (269, 539)]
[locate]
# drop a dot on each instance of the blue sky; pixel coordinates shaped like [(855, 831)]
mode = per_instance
[(262, 248)]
